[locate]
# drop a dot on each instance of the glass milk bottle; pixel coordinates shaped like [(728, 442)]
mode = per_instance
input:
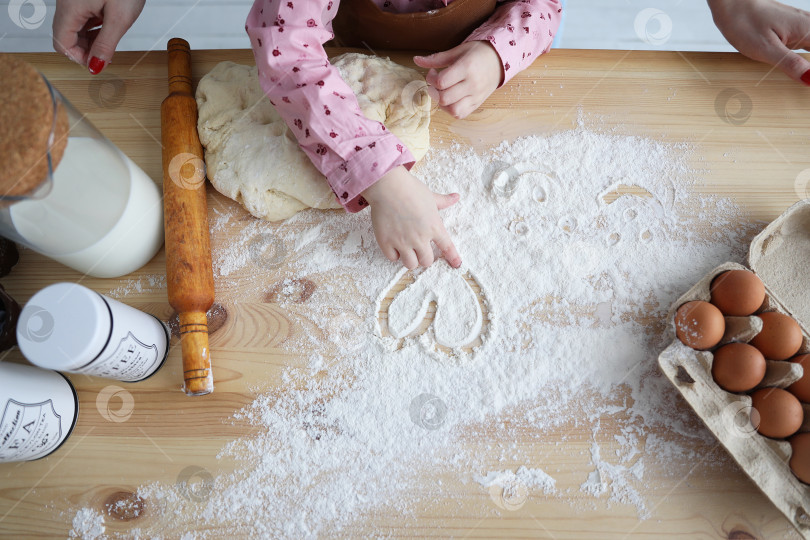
[(66, 191)]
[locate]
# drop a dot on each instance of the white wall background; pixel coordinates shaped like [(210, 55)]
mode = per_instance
[(25, 25)]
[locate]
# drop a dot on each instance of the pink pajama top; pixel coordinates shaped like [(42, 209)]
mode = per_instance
[(350, 150)]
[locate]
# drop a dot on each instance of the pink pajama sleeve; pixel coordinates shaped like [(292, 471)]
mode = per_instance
[(520, 31), (352, 151)]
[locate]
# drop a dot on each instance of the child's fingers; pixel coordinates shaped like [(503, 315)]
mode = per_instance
[(437, 60), (462, 108), (431, 76), (445, 201), (433, 94), (446, 78), (449, 76), (447, 248), (425, 255), (407, 256), (390, 253), (453, 94)]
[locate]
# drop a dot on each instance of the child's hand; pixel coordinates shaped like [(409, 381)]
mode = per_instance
[(75, 36), (405, 215), (472, 72), (767, 31)]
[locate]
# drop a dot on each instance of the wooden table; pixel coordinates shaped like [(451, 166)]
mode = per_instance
[(749, 124)]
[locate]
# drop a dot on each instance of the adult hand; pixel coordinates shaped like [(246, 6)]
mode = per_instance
[(766, 31), (468, 74), (405, 216), (88, 31)]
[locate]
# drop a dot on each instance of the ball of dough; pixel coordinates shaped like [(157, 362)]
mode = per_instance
[(252, 156)]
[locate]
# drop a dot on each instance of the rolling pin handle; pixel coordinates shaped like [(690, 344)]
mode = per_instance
[(179, 66), (197, 376)]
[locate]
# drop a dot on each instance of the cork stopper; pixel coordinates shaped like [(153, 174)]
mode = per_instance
[(27, 128)]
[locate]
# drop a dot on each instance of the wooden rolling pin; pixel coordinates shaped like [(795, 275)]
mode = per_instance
[(188, 251)]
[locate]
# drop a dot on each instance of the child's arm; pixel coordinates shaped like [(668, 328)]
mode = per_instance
[(766, 31), (353, 152), (405, 216), (310, 95), (516, 34)]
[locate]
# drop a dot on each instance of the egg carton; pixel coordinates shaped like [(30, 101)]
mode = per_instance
[(778, 255)]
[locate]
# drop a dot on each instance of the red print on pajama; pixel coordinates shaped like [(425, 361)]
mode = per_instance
[(352, 151)]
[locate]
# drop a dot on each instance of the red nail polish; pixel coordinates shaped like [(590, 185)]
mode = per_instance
[(806, 77), (96, 65)]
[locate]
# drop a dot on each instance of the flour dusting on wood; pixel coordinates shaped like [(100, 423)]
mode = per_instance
[(579, 246)]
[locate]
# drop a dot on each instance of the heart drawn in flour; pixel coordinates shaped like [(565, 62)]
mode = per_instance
[(458, 318)]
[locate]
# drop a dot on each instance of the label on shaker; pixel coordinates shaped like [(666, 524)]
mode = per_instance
[(129, 360), (29, 430), (136, 348)]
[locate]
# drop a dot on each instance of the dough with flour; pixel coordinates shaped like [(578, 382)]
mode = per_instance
[(252, 156)]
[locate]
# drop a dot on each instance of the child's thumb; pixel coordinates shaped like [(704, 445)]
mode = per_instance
[(445, 201), (437, 60), (105, 43)]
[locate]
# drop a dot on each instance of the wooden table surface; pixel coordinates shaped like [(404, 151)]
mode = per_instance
[(750, 127)]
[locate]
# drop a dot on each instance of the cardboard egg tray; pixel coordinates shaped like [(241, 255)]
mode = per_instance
[(779, 256)]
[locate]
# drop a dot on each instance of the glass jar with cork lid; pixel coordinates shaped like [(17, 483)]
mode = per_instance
[(66, 191)]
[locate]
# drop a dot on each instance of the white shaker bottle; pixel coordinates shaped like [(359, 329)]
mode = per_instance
[(66, 191), (68, 327), (38, 409)]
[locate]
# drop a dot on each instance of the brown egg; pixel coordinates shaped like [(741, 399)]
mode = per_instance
[(778, 413), (801, 388), (800, 456), (738, 367), (780, 337), (699, 325), (738, 292)]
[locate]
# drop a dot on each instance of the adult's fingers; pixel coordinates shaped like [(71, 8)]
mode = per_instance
[(76, 54), (68, 33), (87, 35), (445, 201), (118, 17), (799, 29), (794, 65), (103, 47), (448, 249)]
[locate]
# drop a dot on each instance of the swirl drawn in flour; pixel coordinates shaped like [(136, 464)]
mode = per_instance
[(507, 177), (636, 201)]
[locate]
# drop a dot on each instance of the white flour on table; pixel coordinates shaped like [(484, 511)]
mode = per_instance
[(134, 286), (87, 525), (458, 319), (576, 286)]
